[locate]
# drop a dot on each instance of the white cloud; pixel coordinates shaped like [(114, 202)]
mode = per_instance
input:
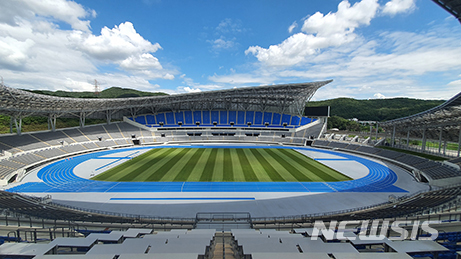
[(191, 90), (379, 96), (394, 7), (13, 53), (292, 27), (115, 44), (229, 26), (141, 62), (222, 43), (35, 53), (193, 87), (67, 11), (318, 32), (242, 79)]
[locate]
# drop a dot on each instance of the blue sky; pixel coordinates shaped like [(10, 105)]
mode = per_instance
[(370, 48)]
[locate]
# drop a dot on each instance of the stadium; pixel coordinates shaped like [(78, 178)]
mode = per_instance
[(248, 172)]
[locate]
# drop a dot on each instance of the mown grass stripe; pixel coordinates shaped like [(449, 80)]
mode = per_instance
[(268, 169), (143, 169), (218, 166), (115, 173), (190, 165), (236, 166), (158, 174), (313, 177), (321, 167), (157, 162), (309, 165), (199, 167), (228, 169), (285, 162), (247, 170), (278, 167), (207, 174), (258, 169), (178, 166)]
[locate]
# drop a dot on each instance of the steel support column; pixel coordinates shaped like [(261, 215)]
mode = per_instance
[(408, 138), (440, 140), (459, 141), (423, 147), (18, 125), (393, 137), (82, 119)]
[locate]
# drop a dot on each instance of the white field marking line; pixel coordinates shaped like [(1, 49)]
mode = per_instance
[(182, 185)]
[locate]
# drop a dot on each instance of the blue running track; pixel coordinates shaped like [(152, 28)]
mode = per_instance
[(59, 177)]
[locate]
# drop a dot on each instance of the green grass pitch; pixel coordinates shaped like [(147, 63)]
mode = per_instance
[(221, 165)]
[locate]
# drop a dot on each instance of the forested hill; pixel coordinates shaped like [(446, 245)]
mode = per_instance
[(376, 109), (113, 92)]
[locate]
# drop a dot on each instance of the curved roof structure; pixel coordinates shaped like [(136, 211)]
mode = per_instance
[(446, 116), (285, 98), (451, 6)]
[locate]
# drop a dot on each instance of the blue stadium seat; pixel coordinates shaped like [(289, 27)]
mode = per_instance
[(286, 119), (170, 118), (206, 117), (267, 118), (141, 119), (197, 117), (223, 118), (241, 118), (249, 117), (276, 119), (305, 120), (214, 116), (179, 117), (160, 118), (295, 120), (150, 119), (258, 118), (188, 120), (233, 117)]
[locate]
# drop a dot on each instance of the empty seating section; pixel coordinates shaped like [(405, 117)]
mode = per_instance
[(150, 119), (276, 119), (26, 142), (170, 118), (113, 131), (249, 117), (187, 118), (223, 117), (267, 118), (240, 118), (141, 119), (434, 170), (95, 133), (305, 120), (214, 117), (76, 135), (295, 120), (208, 118), (197, 117), (232, 117), (258, 118), (179, 117), (160, 118), (286, 119), (31, 148)]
